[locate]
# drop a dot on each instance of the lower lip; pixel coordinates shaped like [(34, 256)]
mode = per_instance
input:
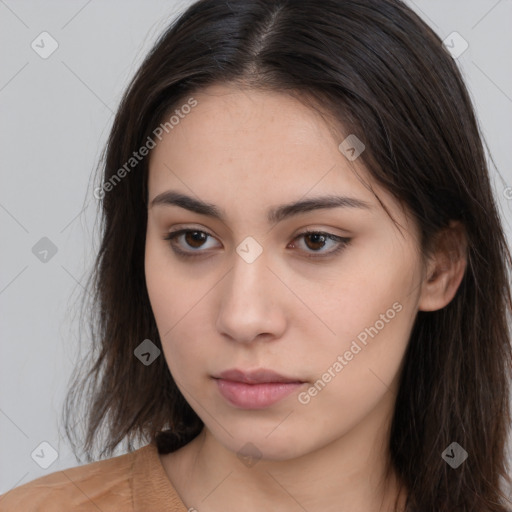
[(255, 396)]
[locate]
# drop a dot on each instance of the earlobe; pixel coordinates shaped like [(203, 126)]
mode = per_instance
[(446, 268)]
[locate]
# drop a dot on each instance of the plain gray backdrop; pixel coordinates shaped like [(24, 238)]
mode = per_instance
[(56, 111)]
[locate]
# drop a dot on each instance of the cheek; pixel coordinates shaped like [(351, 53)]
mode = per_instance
[(359, 372), (157, 284), (371, 311), (378, 293), (162, 286), (170, 291), (175, 302)]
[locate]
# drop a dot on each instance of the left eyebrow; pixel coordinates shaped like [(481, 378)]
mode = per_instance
[(274, 215)]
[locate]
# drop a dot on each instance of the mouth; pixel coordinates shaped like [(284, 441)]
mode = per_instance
[(256, 389)]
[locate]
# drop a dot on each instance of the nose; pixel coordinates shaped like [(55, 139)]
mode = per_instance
[(251, 306)]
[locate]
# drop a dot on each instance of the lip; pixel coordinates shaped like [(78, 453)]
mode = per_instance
[(255, 376), (257, 389)]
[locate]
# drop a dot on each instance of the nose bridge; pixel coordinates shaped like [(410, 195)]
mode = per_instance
[(248, 306), (248, 277)]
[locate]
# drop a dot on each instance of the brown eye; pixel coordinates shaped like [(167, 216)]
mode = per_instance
[(315, 241), (192, 242), (195, 238)]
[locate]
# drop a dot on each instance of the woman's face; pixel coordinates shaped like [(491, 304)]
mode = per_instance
[(251, 292)]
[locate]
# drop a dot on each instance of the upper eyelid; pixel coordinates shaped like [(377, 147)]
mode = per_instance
[(326, 230), (305, 231), (340, 240)]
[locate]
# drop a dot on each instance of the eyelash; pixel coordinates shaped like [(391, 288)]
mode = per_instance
[(342, 242)]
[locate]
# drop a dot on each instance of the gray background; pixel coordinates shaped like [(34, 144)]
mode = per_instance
[(55, 115)]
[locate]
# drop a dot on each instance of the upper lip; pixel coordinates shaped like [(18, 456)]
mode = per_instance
[(255, 376)]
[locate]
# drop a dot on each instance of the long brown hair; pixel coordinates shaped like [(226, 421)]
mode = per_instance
[(379, 71)]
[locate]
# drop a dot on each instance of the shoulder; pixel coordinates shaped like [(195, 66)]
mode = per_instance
[(104, 485)]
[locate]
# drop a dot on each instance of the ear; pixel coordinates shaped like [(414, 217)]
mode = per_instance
[(445, 268)]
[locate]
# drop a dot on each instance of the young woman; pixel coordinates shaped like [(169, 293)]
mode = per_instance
[(302, 294)]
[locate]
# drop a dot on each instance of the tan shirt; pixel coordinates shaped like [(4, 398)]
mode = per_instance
[(133, 482)]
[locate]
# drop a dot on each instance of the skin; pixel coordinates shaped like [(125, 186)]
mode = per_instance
[(247, 151)]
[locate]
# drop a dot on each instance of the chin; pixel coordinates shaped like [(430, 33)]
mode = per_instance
[(258, 445)]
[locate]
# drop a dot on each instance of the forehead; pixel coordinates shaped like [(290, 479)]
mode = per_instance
[(243, 148), (233, 123)]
